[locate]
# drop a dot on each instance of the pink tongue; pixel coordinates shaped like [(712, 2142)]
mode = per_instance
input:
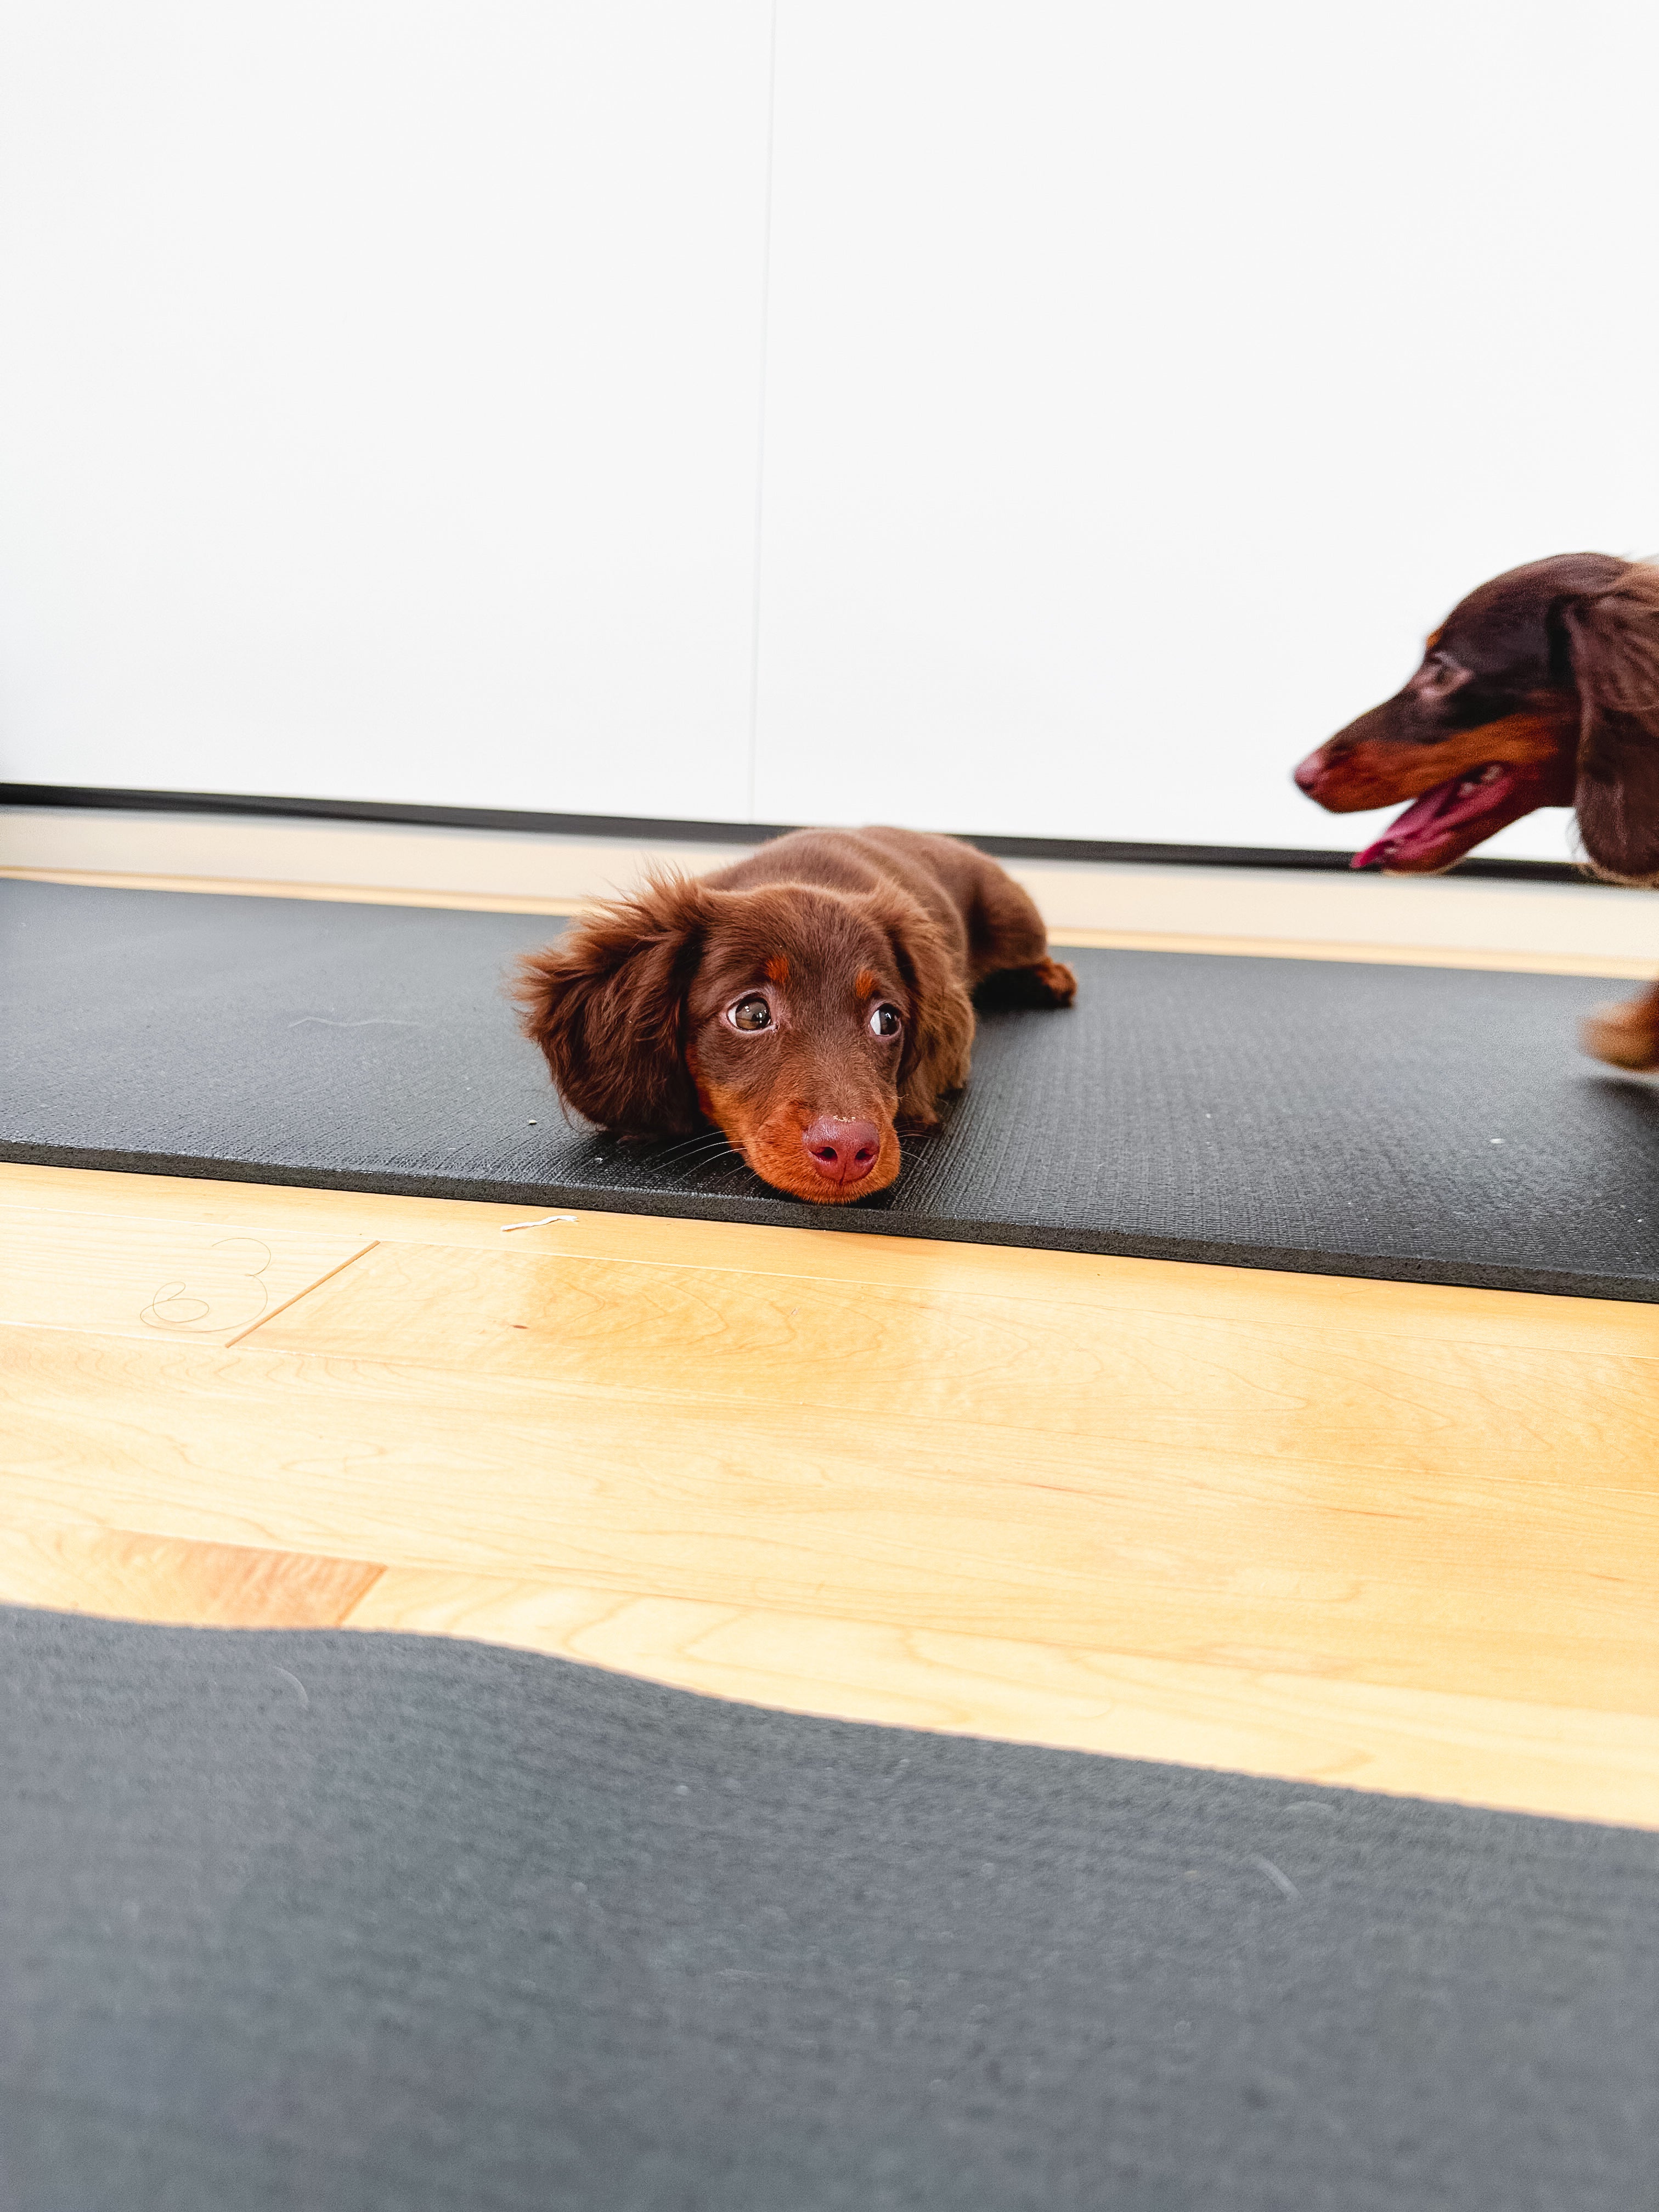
[(1436, 810)]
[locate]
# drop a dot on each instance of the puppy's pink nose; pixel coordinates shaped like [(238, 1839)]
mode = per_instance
[(841, 1152), (1307, 772)]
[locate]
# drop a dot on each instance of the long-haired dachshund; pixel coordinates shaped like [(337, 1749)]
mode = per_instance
[(809, 1000), (1541, 688)]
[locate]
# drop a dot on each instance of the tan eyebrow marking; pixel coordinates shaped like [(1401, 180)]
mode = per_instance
[(1434, 638), (865, 982), (777, 967)]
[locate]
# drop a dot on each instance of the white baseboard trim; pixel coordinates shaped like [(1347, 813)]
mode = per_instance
[(1565, 927)]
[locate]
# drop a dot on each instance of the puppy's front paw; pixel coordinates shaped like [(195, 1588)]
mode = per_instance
[(1625, 1036)]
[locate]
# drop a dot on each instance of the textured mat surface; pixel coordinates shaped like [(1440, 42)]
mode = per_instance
[(1433, 1124), (333, 1923)]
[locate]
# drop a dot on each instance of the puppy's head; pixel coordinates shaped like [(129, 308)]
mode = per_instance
[(801, 1021), (1541, 688)]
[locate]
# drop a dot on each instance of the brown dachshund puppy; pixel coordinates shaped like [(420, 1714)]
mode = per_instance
[(1541, 688), (808, 1000)]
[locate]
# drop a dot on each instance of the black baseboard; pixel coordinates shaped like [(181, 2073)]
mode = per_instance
[(652, 827)]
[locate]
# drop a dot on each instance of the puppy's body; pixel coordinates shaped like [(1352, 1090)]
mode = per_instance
[(1540, 689), (810, 1000)]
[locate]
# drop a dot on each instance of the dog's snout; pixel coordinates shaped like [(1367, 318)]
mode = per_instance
[(1307, 772), (841, 1150)]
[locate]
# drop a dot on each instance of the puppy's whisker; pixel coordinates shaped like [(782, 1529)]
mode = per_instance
[(708, 1156), (687, 1146), (714, 1158), (675, 1151), (716, 1155), (702, 1136)]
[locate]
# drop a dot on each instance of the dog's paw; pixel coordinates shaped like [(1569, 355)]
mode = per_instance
[(1624, 1035), (1045, 983), (1054, 982)]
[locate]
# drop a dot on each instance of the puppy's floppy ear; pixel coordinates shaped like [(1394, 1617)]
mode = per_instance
[(607, 1007), (1613, 647), (939, 1038)]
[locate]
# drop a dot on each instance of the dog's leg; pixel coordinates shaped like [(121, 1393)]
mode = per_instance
[(1626, 1033)]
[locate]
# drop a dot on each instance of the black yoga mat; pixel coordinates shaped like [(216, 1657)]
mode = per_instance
[(321, 1923), (1429, 1124)]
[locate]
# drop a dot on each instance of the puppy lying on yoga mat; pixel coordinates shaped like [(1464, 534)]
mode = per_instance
[(810, 1000), (1541, 688)]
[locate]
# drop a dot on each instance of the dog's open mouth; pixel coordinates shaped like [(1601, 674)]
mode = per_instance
[(1441, 826)]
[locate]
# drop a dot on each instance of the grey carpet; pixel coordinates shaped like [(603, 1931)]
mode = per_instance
[(318, 1922), (1420, 1123)]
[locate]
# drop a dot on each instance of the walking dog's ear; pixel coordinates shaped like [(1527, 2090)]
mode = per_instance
[(606, 1005), (1612, 646)]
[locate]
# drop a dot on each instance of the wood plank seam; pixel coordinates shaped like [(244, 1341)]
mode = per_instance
[(305, 1292)]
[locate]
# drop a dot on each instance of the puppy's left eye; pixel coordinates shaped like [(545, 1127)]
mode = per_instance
[(750, 1014), (886, 1021)]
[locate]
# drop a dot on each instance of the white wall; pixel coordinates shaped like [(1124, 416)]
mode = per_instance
[(1145, 382), (379, 398), (382, 392)]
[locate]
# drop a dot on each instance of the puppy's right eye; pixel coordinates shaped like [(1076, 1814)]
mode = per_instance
[(750, 1014)]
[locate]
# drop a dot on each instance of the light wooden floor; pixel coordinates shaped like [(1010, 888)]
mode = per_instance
[(1401, 1538)]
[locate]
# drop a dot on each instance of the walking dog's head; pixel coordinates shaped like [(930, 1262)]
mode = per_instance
[(1541, 688)]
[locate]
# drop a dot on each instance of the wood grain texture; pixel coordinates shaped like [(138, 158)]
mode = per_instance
[(156, 1278), (1579, 1765), (1515, 961), (1405, 1536), (1111, 1379), (1250, 1295), (1497, 1579), (129, 1577)]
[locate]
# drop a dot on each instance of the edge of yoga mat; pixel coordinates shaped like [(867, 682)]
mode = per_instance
[(870, 1219)]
